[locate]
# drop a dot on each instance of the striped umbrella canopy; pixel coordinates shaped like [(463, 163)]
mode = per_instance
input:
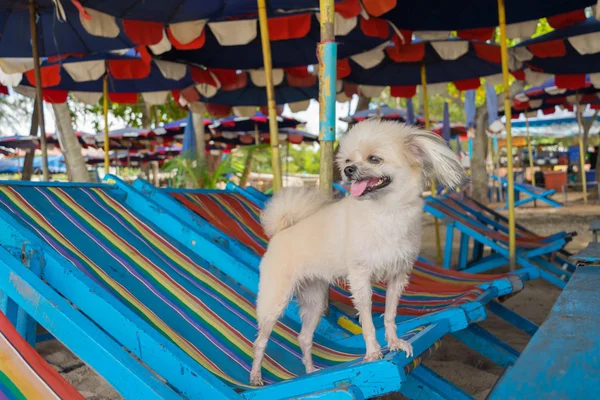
[(567, 54)]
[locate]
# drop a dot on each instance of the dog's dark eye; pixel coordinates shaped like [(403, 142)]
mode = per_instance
[(347, 161), (374, 160)]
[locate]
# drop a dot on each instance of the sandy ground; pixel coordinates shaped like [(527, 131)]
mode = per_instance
[(454, 361)]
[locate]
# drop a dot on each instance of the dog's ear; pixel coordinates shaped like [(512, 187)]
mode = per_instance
[(432, 154)]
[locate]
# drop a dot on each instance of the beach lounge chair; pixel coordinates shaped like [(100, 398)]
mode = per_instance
[(158, 321), (499, 222), (431, 289), (24, 374), (531, 251), (533, 193)]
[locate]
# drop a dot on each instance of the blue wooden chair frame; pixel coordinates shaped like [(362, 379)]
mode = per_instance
[(475, 337), (499, 223), (534, 193), (97, 327), (526, 258)]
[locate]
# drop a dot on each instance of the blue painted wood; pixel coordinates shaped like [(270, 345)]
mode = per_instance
[(463, 251), (522, 256), (252, 196), (533, 192), (512, 317), (79, 334), (487, 345), (447, 262), (116, 319), (26, 325), (370, 377), (562, 359), (425, 384)]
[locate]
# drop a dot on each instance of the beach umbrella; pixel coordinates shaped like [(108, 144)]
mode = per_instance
[(189, 137), (479, 20), (569, 54), (399, 66), (446, 123), (410, 112), (257, 123), (475, 19), (384, 112)]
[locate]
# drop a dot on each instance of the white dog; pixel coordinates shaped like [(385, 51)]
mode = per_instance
[(375, 234)]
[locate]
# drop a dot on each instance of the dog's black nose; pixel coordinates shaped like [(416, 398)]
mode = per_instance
[(350, 170)]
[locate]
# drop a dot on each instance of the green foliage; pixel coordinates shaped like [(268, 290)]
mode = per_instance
[(192, 173)]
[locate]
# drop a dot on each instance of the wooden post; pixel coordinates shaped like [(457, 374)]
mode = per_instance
[(327, 53), (436, 223), (38, 88), (512, 243), (273, 127)]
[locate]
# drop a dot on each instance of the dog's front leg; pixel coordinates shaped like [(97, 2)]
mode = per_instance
[(360, 286), (395, 287)]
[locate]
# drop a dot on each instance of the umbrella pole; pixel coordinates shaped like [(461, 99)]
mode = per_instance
[(327, 54), (273, 128), (436, 223), (38, 89), (512, 243), (581, 151), (106, 137)]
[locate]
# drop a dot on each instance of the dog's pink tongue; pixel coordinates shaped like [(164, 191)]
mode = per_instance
[(358, 188)]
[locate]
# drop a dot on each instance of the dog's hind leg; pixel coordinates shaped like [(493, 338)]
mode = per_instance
[(360, 287), (312, 296), (274, 294), (395, 287)]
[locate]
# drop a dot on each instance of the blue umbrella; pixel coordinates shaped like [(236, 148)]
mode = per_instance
[(401, 66), (190, 10), (435, 15), (189, 138), (446, 123), (285, 53), (410, 112), (491, 100), (54, 37), (553, 52), (470, 108), (258, 121), (384, 112)]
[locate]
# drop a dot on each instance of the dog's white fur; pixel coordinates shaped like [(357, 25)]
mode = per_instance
[(377, 236)]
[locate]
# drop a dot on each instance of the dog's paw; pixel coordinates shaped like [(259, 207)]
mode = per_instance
[(375, 355), (399, 344), (311, 369), (256, 379)]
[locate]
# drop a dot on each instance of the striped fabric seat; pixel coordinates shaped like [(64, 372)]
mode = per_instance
[(431, 288), (24, 374), (206, 314)]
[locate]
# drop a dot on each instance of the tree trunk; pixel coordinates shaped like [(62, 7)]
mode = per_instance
[(30, 154), (70, 145), (479, 177), (247, 168)]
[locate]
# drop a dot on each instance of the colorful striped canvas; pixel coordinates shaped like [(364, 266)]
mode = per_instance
[(205, 313), (431, 288), (24, 374)]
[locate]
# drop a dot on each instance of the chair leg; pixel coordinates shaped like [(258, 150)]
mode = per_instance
[(487, 345), (424, 384)]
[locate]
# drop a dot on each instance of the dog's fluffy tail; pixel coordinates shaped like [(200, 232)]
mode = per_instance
[(290, 206)]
